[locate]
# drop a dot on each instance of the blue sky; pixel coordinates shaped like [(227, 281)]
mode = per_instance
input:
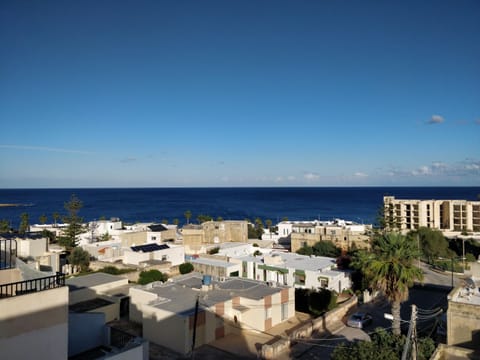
[(239, 93)]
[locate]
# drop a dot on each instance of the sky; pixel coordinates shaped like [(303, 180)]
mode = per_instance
[(239, 93)]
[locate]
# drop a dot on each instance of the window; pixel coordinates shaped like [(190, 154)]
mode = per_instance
[(154, 238), (285, 311), (300, 279), (164, 257)]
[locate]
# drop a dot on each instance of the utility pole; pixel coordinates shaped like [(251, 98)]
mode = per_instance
[(195, 325), (413, 321), (411, 336)]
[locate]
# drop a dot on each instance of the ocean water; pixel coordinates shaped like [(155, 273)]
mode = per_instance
[(360, 204)]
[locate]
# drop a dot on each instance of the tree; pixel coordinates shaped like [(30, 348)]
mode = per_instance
[(43, 219), (75, 226), (24, 223), (219, 218), (164, 221), (56, 217), (105, 237), (51, 236), (390, 268), (321, 248), (80, 257), (188, 215), (305, 250), (259, 228), (432, 243), (203, 218), (176, 221), (257, 253), (149, 276), (383, 345), (268, 223), (4, 226), (185, 268), (326, 248)]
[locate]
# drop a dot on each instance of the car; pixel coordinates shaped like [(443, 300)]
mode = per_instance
[(359, 320)]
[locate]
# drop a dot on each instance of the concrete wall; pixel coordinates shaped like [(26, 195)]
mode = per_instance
[(463, 324), (39, 320), (320, 324), (31, 247), (167, 329), (85, 331), (134, 238), (138, 299)]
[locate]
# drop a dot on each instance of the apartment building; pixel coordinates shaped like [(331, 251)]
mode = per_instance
[(343, 234), (34, 309), (198, 238), (444, 215)]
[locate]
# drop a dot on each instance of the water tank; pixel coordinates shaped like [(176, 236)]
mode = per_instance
[(207, 279)]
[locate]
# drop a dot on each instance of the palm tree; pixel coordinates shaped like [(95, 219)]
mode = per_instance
[(390, 268), (188, 215)]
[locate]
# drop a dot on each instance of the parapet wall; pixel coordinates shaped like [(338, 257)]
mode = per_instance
[(322, 324)]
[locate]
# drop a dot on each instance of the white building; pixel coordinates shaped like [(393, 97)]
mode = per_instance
[(135, 255), (310, 272)]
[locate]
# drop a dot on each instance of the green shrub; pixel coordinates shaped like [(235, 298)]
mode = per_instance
[(114, 270), (151, 276), (185, 268)]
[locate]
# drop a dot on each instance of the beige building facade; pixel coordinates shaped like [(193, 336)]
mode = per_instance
[(198, 238), (33, 311), (444, 215), (343, 236), (167, 311), (463, 316)]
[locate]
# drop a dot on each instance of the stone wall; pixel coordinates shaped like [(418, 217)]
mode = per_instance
[(327, 322)]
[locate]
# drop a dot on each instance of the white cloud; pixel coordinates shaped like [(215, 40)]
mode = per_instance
[(128, 160), (421, 171), (310, 176), (360, 174), (436, 119), (291, 178), (43, 148)]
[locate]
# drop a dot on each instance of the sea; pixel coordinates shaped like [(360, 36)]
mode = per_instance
[(130, 205)]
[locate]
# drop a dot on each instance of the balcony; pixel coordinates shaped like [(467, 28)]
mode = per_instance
[(30, 286)]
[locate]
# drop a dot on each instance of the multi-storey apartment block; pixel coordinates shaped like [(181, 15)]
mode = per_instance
[(444, 215)]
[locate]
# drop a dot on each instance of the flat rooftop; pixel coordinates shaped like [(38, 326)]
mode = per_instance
[(296, 261), (89, 305), (179, 295), (213, 262), (92, 280)]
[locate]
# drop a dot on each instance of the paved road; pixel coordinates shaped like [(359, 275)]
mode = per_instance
[(438, 278), (431, 294)]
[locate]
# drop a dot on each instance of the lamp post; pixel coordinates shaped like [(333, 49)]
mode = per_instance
[(452, 271)]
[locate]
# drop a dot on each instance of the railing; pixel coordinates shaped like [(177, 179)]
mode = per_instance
[(120, 339), (8, 253), (33, 285)]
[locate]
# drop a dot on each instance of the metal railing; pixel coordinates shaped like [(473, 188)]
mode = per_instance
[(34, 285), (120, 339)]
